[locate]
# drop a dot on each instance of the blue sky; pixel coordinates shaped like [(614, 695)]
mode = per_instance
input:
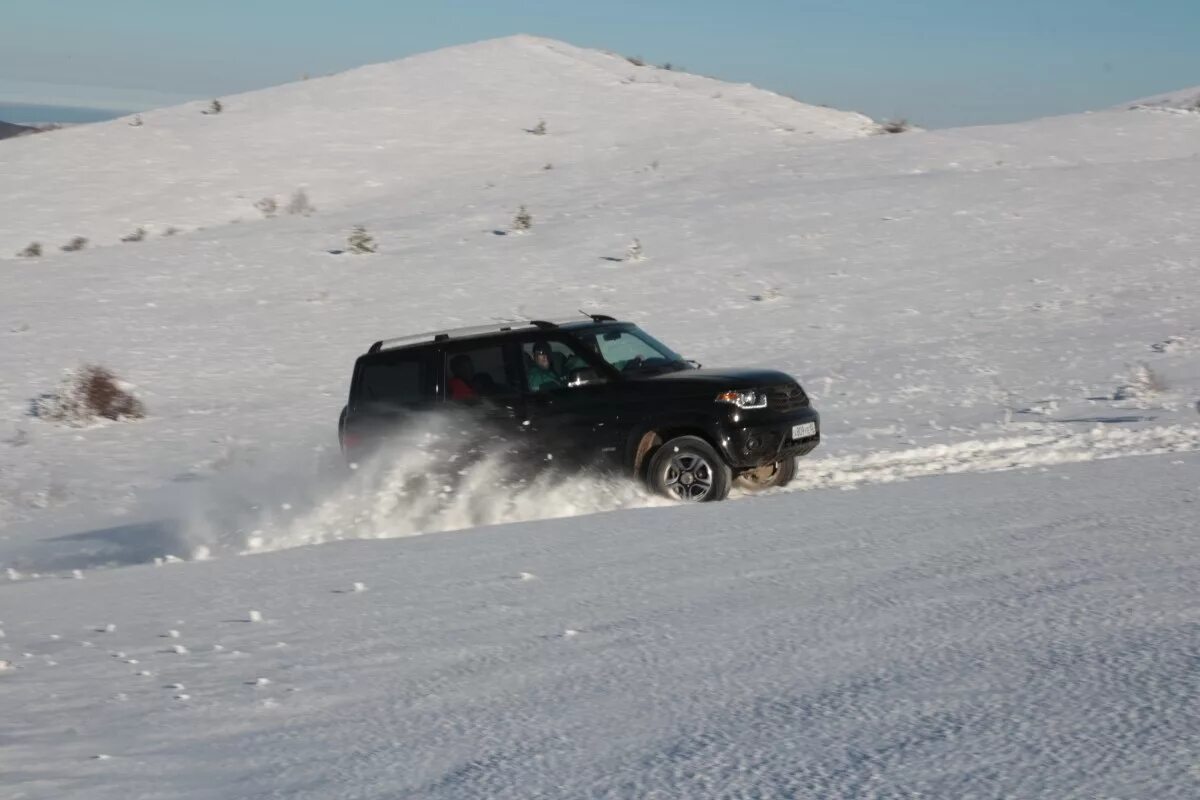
[(936, 62)]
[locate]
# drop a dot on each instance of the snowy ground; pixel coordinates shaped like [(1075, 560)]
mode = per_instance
[(1027, 634), (1018, 300)]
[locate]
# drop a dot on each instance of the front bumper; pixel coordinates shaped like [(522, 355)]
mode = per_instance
[(749, 446)]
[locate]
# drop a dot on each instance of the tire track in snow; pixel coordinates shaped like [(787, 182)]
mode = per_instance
[(992, 455)]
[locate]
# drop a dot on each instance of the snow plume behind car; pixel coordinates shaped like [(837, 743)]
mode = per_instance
[(425, 477)]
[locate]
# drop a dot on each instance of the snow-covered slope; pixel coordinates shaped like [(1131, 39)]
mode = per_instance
[(979, 300), (419, 128), (1026, 635)]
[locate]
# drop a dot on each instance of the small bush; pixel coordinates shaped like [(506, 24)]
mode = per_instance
[(76, 243), (538, 130), (634, 251), (299, 203), (136, 122), (523, 221), (1144, 386), (770, 295), (268, 206), (636, 61), (214, 107), (359, 241), (32, 250), (170, 231), (89, 393), (137, 236), (894, 126)]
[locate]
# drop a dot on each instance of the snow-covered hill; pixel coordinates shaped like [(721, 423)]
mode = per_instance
[(1012, 299), (421, 128)]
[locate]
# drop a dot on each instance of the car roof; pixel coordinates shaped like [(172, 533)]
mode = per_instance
[(417, 340)]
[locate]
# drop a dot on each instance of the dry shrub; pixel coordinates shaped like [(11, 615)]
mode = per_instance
[(89, 393), (299, 203), (359, 241), (1143, 387), (523, 221), (894, 126)]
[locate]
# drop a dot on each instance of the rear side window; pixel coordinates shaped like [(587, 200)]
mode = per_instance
[(396, 381), (474, 373)]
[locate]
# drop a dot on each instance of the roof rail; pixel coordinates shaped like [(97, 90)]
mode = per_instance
[(477, 330)]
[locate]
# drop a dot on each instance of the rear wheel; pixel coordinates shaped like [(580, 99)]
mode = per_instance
[(769, 477), (687, 468)]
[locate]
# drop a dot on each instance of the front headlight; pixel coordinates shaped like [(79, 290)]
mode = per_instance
[(744, 398)]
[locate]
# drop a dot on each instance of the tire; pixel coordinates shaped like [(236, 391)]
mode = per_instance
[(688, 469), (769, 477)]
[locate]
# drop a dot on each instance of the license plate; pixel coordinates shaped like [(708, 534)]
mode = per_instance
[(804, 430)]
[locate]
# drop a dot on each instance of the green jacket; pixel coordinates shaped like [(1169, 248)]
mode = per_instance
[(542, 379)]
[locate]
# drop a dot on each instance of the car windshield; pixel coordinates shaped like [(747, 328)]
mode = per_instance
[(632, 350)]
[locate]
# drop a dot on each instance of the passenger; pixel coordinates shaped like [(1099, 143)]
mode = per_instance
[(463, 372), (541, 374)]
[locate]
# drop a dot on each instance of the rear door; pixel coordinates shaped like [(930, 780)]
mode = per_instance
[(483, 379)]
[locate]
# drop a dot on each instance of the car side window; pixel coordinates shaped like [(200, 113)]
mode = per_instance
[(552, 364), (473, 373), (399, 381)]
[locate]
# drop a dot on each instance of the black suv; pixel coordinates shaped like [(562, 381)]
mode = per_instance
[(596, 391)]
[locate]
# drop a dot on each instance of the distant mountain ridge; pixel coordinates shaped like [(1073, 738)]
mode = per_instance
[(1179, 100), (9, 129)]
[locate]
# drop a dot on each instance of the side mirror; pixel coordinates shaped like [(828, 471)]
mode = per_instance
[(695, 364)]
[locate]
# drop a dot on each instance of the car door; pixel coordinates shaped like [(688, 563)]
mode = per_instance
[(572, 416), (482, 380)]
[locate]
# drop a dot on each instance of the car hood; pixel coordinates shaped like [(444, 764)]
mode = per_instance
[(725, 378)]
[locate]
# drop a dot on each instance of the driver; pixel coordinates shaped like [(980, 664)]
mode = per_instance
[(541, 373)]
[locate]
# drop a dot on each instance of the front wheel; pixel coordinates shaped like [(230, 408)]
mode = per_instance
[(769, 477), (687, 468)]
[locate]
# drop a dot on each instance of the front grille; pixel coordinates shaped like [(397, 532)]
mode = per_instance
[(783, 399)]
